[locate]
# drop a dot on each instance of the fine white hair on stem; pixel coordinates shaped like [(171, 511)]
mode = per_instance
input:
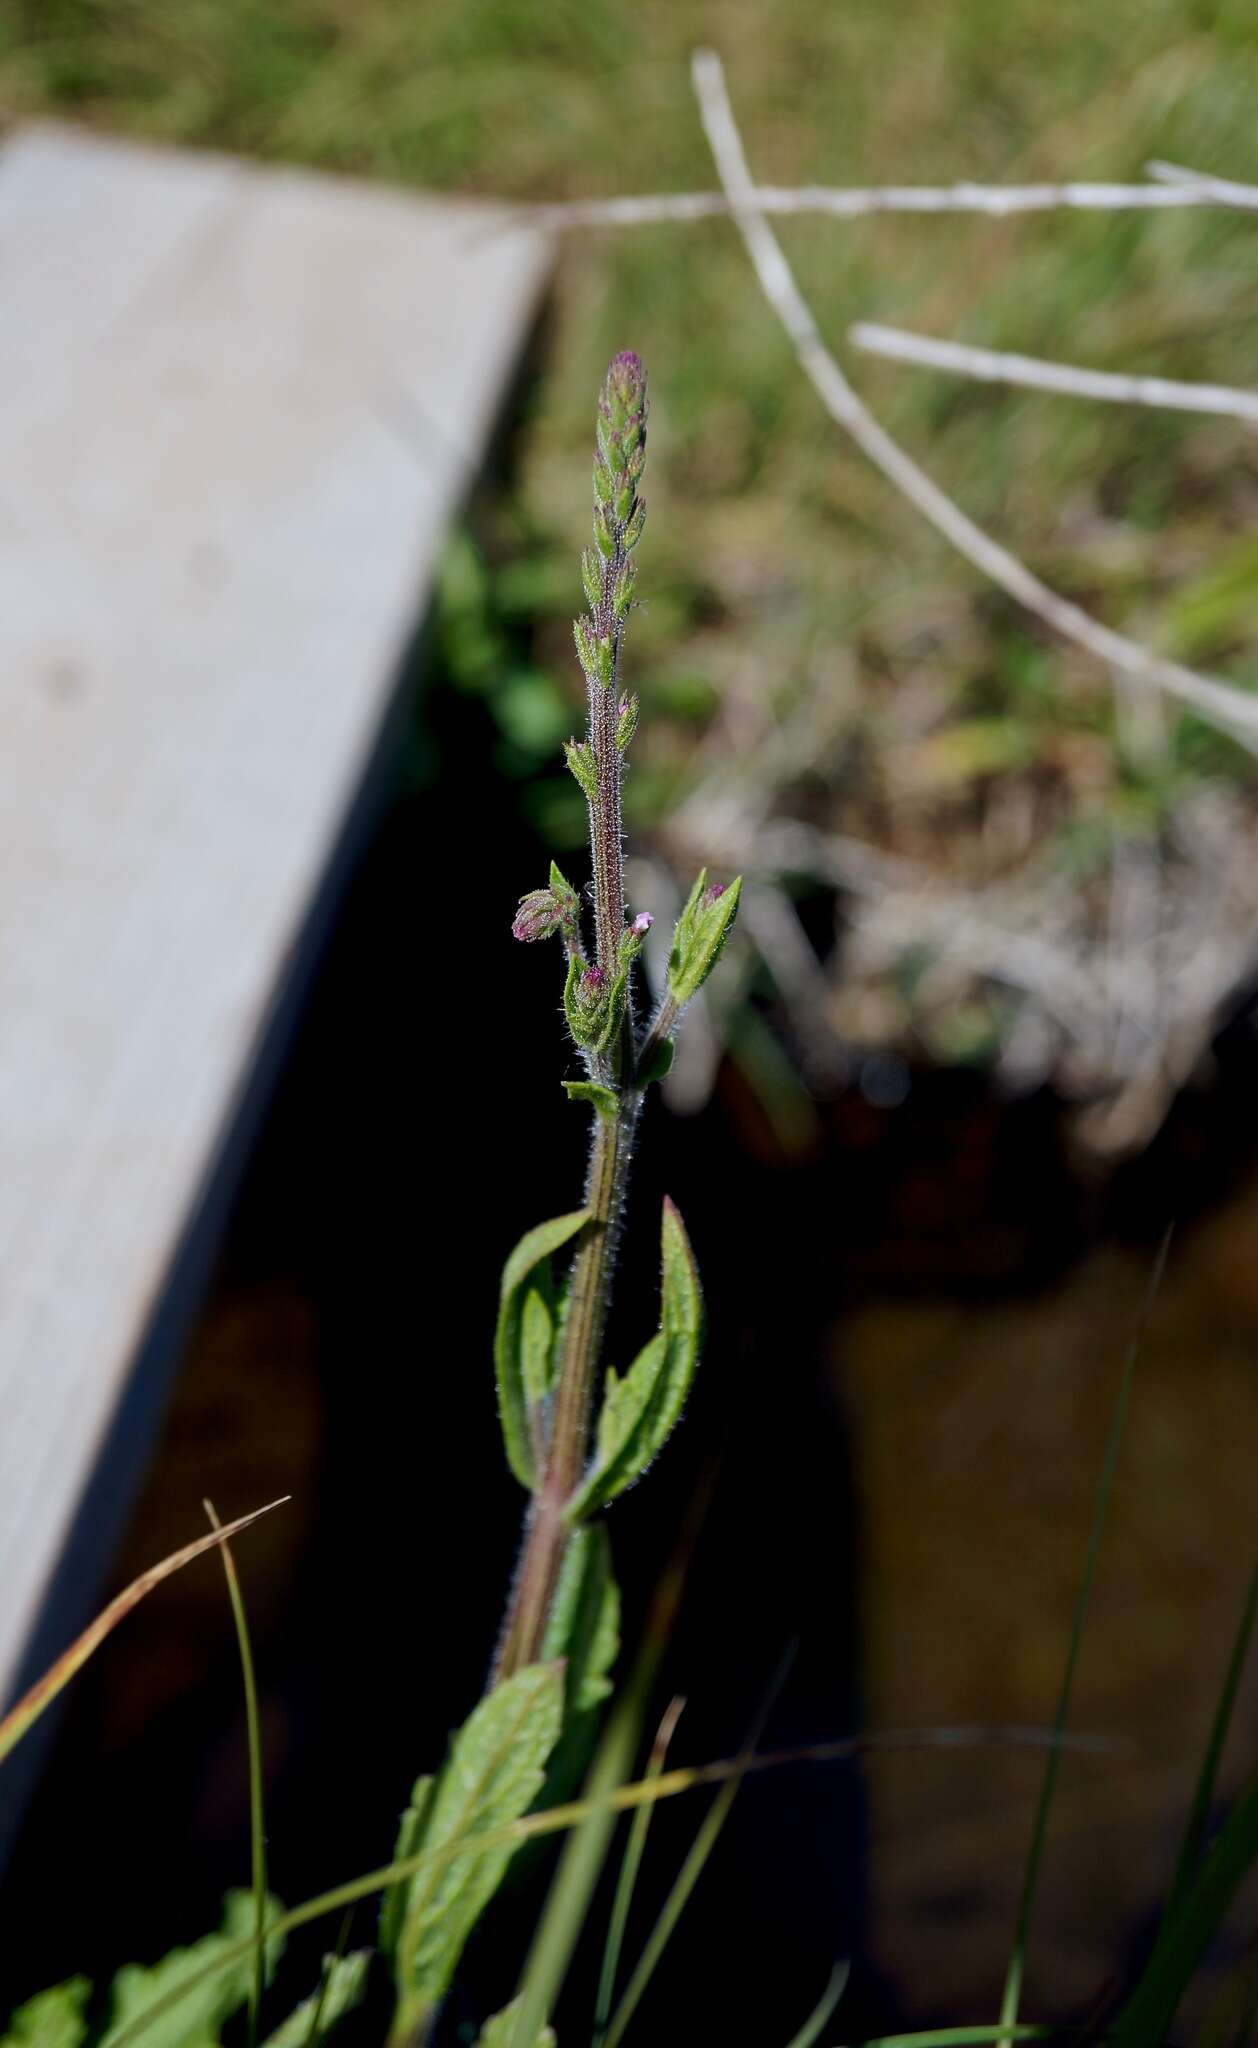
[(853, 202), (998, 366), (1223, 703)]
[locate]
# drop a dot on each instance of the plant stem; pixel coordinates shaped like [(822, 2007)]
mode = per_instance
[(617, 523), (546, 1532)]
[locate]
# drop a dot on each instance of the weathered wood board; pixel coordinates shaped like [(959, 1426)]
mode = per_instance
[(237, 409)]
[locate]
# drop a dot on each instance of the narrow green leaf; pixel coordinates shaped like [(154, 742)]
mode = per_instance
[(1183, 1939), (961, 2037), (1203, 1796), (494, 1771), (344, 1983), (52, 2019), (1100, 1508), (501, 2031), (630, 1864), (640, 1410), (257, 1811), (692, 1869), (604, 1100), (195, 2019), (583, 1630), (824, 2008), (699, 936), (530, 1256)]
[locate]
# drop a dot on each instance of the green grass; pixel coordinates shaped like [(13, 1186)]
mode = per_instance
[(790, 590), (782, 573)]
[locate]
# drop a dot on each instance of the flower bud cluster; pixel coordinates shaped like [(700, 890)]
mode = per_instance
[(607, 570)]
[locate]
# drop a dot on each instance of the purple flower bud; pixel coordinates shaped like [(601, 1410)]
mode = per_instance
[(642, 924), (540, 914), (622, 403), (592, 983), (712, 894)]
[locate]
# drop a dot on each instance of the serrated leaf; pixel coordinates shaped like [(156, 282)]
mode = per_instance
[(583, 1630), (494, 1771), (604, 1100), (640, 1410), (499, 2032), (52, 2019), (699, 937), (193, 2021), (345, 1982), (529, 1262)]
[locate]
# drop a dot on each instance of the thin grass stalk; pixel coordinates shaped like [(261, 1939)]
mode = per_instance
[(692, 1869), (257, 1810), (1203, 1795), (824, 2008), (626, 1882), (1100, 1509)]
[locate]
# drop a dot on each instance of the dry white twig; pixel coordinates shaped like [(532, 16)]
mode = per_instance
[(997, 366), (852, 202), (1209, 190), (1226, 705)]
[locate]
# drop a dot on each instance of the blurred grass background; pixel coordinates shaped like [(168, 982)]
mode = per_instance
[(785, 583)]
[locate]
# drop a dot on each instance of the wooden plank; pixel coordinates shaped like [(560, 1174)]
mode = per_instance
[(215, 539)]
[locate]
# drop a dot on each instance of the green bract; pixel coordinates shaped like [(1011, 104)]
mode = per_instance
[(699, 935)]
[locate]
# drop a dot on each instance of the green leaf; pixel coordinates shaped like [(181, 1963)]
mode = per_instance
[(344, 1982), (515, 1352), (581, 764), (499, 2032), (699, 936), (52, 2019), (583, 1630), (658, 1064), (640, 1410), (605, 1100), (494, 1771), (410, 1835), (193, 2021), (537, 1339)]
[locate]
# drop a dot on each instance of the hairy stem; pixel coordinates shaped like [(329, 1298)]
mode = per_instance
[(546, 1532), (608, 577)]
